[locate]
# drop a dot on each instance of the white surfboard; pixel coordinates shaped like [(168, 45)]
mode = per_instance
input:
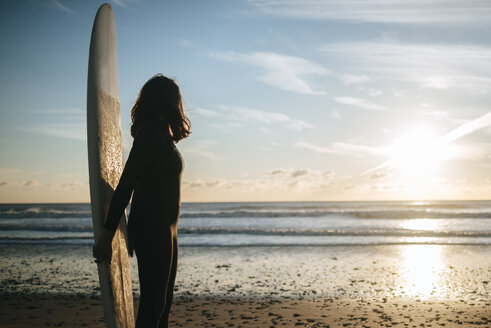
[(106, 165)]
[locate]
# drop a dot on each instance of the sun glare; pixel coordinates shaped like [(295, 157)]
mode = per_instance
[(421, 268), (418, 157), (419, 153), (420, 224)]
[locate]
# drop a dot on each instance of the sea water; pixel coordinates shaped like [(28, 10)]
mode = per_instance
[(273, 224)]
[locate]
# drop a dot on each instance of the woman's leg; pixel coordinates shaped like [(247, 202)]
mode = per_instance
[(154, 267), (164, 320)]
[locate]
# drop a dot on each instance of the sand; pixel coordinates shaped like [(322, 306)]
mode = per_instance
[(376, 286), (68, 311)]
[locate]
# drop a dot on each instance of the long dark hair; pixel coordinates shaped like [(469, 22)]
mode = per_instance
[(160, 100)]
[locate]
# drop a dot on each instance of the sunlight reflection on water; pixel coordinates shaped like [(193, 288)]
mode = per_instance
[(420, 224), (421, 270)]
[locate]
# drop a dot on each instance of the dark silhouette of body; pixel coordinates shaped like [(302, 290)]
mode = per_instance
[(153, 175)]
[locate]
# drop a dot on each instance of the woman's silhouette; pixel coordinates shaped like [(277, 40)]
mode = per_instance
[(153, 174)]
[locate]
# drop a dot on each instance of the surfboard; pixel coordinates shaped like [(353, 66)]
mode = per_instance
[(106, 165)]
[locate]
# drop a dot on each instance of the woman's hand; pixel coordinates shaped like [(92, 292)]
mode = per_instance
[(102, 250)]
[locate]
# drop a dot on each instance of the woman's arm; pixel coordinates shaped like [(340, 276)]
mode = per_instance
[(140, 156)]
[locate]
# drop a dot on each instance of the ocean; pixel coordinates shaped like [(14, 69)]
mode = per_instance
[(273, 224)]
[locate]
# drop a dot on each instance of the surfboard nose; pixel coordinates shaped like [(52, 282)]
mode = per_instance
[(103, 61), (106, 6)]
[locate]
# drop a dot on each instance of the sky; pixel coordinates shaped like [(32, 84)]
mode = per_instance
[(289, 100)]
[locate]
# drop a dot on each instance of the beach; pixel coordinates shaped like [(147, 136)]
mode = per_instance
[(307, 264), (83, 312), (265, 286)]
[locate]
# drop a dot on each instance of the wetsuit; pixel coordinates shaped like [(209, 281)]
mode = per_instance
[(153, 174)]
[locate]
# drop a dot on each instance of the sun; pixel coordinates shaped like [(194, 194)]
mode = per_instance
[(419, 153)]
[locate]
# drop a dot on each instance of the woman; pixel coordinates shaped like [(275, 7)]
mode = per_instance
[(153, 174)]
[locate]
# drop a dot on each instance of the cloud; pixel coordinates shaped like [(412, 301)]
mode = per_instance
[(201, 183), (202, 148), (379, 175), (374, 92), (244, 114), (354, 79), (336, 115), (65, 123), (341, 148), (293, 173), (299, 172), (291, 179), (284, 72), (122, 3), (380, 11), (69, 112), (436, 114), (328, 173), (59, 5), (277, 172), (428, 112), (204, 153), (204, 112), (238, 116), (73, 185), (71, 131), (248, 114), (383, 186), (31, 183), (185, 43), (468, 127), (359, 103), (224, 184), (434, 66)]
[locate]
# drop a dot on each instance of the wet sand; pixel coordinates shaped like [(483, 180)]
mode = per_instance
[(374, 286), (68, 311)]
